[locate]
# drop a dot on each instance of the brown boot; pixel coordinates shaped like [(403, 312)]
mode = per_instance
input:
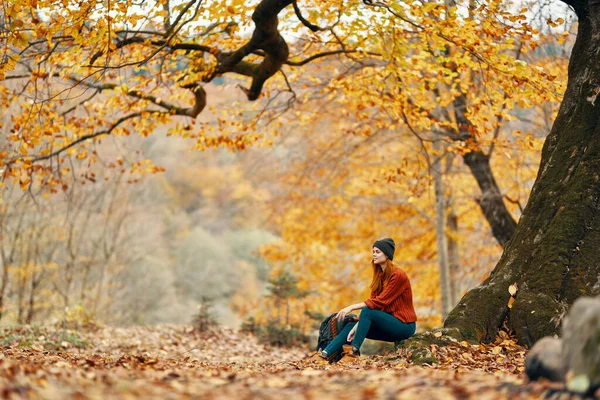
[(350, 356), (316, 359)]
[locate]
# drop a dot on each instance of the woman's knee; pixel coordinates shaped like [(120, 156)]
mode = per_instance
[(408, 330), (366, 313)]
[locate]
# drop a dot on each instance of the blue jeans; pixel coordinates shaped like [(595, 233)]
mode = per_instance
[(373, 324)]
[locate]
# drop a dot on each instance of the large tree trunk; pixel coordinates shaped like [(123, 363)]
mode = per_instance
[(553, 255)]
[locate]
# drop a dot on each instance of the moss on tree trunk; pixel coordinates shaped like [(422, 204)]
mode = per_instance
[(554, 254)]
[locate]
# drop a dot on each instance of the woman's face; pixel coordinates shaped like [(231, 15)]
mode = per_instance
[(378, 256)]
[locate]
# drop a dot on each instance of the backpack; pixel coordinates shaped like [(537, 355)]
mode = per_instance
[(330, 328)]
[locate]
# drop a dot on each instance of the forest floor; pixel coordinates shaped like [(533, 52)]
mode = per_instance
[(175, 362)]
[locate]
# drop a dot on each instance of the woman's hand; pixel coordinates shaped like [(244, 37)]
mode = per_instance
[(352, 333), (342, 313)]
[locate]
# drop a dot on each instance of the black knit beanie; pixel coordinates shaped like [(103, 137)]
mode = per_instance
[(386, 245)]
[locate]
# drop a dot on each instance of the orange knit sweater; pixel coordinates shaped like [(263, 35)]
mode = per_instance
[(395, 298)]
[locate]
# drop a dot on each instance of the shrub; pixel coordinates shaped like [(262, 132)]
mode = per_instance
[(274, 334), (204, 319), (78, 318)]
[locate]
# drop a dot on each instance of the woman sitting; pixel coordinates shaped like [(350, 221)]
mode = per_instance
[(387, 315)]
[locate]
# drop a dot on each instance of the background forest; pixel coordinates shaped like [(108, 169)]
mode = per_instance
[(268, 210)]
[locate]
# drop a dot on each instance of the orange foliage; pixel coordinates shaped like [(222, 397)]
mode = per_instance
[(352, 159)]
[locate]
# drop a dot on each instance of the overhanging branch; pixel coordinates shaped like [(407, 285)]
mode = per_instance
[(82, 139), (265, 37), (198, 91)]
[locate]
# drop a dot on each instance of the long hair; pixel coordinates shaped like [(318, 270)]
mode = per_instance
[(381, 278)]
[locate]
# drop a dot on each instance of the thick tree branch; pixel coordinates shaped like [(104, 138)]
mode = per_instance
[(161, 43), (198, 91), (199, 103), (492, 205), (266, 41), (501, 222), (265, 37)]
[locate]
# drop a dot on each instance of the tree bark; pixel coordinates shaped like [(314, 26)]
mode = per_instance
[(492, 204), (452, 235), (453, 255), (553, 254), (440, 229), (265, 37)]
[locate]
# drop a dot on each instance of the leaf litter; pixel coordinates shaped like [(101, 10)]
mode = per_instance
[(176, 362)]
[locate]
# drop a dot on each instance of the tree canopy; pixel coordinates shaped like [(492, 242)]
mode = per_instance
[(354, 105)]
